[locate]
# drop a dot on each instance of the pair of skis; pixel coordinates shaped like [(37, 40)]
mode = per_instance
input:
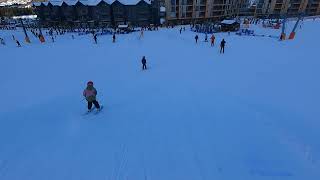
[(94, 111)]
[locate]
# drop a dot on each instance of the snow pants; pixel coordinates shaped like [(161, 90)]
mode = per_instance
[(222, 49), (144, 66), (96, 104)]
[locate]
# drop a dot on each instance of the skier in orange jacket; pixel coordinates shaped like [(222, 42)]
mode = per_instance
[(212, 39)]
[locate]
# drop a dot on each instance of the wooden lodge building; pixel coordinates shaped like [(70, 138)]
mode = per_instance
[(98, 12)]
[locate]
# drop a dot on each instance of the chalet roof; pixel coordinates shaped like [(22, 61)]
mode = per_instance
[(89, 2)]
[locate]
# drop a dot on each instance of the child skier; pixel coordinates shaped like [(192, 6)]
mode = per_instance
[(90, 94), (141, 34), (196, 38), (144, 63)]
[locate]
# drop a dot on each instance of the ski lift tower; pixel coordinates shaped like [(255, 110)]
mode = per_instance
[(27, 39), (284, 13), (293, 32)]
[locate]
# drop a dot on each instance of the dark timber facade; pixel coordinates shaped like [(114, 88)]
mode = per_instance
[(98, 12)]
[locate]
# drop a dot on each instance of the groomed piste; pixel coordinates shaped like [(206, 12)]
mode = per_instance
[(251, 113)]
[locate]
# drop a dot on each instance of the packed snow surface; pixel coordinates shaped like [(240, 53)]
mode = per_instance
[(194, 114)]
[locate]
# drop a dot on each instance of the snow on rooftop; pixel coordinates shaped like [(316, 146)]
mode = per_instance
[(122, 26), (228, 21), (25, 17), (109, 1), (56, 2), (162, 9), (90, 2)]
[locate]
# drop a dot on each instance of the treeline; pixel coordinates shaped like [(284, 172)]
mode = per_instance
[(15, 11)]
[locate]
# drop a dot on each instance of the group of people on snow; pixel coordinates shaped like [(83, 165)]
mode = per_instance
[(95, 38), (222, 43), (182, 28)]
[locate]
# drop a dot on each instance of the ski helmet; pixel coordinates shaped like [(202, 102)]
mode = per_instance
[(89, 83)]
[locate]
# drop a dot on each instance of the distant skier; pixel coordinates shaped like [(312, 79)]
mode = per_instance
[(222, 45), (90, 94), (18, 43), (196, 38), (2, 41), (13, 37), (141, 34), (212, 39), (114, 38), (180, 30), (206, 38), (144, 63), (52, 38), (95, 38)]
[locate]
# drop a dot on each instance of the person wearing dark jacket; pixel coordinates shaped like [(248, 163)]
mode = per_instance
[(222, 45), (196, 38), (114, 38), (144, 63), (18, 43), (95, 38)]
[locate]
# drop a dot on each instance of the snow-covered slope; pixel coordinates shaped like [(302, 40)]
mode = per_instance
[(250, 114)]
